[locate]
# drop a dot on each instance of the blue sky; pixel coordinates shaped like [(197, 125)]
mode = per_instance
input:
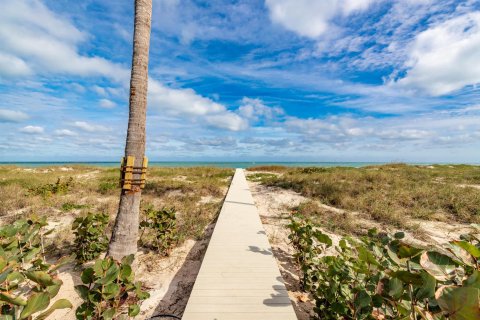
[(271, 80)]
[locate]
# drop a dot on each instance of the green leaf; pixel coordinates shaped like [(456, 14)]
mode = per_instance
[(111, 290), (53, 289), (427, 289), (59, 304), (395, 288), (377, 301), (367, 256), (440, 266), (88, 276), (460, 303), (470, 248), (323, 238), (82, 291), (473, 280), (126, 273), (399, 235), (18, 301), (3, 262), (4, 275), (61, 262), (110, 275), (97, 267), (37, 302), (408, 251), (362, 299), (40, 277), (15, 276), (108, 314), (408, 277), (133, 310), (128, 259), (463, 257)]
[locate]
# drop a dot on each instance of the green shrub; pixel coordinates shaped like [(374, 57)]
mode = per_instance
[(109, 290), (260, 177), (90, 236), (382, 277), (50, 189), (160, 229), (105, 187), (27, 281), (308, 170), (69, 206)]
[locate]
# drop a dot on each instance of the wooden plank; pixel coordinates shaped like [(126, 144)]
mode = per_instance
[(239, 276)]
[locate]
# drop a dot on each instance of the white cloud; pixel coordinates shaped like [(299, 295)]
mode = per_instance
[(227, 120), (32, 129), (65, 133), (13, 66), (255, 109), (99, 90), (181, 101), (312, 18), (36, 40), (445, 57), (107, 104), (187, 103), (88, 127), (12, 116)]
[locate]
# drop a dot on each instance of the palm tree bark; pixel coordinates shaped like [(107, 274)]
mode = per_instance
[(125, 231)]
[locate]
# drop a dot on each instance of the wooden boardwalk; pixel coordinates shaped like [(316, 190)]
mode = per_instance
[(239, 278)]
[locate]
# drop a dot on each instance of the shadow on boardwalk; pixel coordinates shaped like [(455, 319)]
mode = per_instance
[(176, 298)]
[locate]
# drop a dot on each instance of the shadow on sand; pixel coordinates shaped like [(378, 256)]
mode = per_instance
[(290, 274), (176, 298)]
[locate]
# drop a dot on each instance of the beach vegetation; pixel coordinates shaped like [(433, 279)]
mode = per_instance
[(159, 229), (109, 290), (27, 281), (49, 189), (69, 206), (90, 236), (389, 193), (382, 276)]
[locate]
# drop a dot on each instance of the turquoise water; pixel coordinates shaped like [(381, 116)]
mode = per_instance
[(200, 164)]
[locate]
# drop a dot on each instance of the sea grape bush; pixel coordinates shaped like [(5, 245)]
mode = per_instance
[(109, 290), (90, 236), (50, 189), (27, 281), (383, 277), (161, 229)]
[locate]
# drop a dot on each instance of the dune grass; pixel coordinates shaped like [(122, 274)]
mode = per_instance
[(62, 193), (388, 193)]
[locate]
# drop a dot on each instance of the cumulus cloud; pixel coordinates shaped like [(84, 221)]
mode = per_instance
[(88, 127), (36, 40), (187, 103), (312, 18), (32, 129), (107, 104), (255, 110), (445, 57), (65, 133), (450, 128), (12, 116)]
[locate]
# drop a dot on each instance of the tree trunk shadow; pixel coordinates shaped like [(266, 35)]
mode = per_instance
[(176, 298)]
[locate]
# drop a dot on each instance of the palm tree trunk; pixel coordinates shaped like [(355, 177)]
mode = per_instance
[(125, 231)]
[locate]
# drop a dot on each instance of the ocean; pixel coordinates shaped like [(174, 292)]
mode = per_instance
[(202, 164)]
